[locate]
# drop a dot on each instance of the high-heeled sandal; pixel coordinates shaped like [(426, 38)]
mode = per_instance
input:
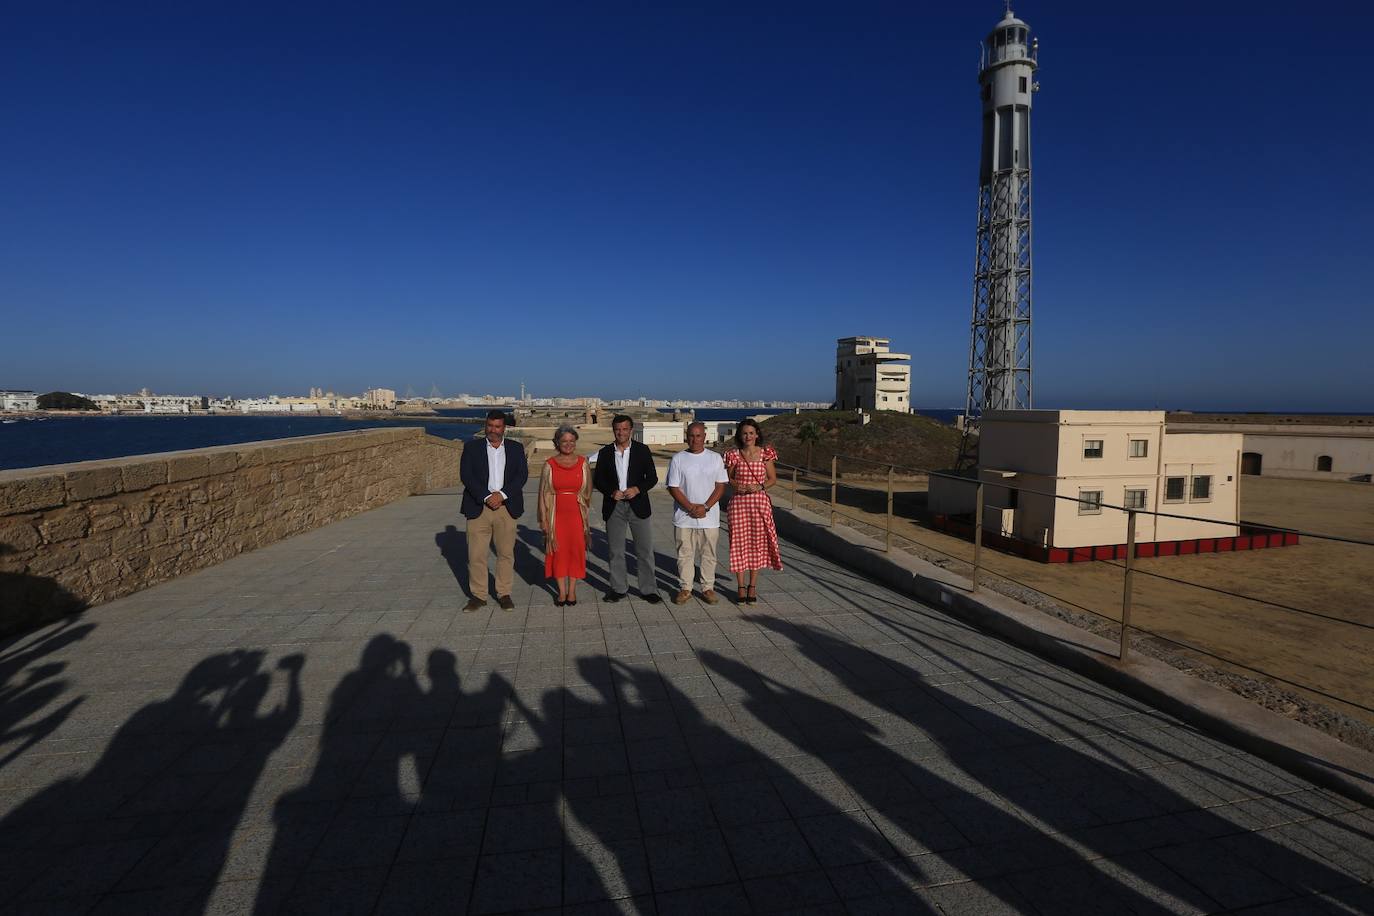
[(753, 594)]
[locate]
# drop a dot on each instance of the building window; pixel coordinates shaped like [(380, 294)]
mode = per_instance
[(1175, 489), (1323, 462), (1089, 502), (1202, 488), (1092, 448), (1139, 448), (1135, 499), (1023, 84)]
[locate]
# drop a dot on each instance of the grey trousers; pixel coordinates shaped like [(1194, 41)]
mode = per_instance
[(623, 517)]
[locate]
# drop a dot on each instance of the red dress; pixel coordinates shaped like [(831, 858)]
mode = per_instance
[(753, 538), (569, 531)]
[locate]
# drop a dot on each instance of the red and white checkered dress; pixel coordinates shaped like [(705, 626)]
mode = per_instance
[(753, 539)]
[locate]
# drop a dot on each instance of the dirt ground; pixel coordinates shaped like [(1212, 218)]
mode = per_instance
[(1282, 622)]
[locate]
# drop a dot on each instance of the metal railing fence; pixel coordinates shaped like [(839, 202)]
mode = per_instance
[(799, 476)]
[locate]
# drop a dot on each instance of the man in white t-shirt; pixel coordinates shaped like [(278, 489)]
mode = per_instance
[(696, 480)]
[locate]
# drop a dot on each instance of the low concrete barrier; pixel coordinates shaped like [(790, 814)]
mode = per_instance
[(75, 535), (1304, 751)]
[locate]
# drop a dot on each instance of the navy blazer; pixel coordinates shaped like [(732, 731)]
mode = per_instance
[(473, 470), (641, 473)]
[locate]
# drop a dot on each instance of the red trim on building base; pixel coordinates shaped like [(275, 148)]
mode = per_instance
[(1250, 539)]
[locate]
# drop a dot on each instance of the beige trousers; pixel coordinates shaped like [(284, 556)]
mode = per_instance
[(492, 527), (690, 542)]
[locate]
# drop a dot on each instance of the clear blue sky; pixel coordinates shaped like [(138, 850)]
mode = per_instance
[(686, 200)]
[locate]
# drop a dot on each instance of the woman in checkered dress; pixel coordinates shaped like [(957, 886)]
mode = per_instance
[(753, 539)]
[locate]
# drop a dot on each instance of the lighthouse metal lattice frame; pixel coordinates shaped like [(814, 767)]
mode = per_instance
[(999, 374)]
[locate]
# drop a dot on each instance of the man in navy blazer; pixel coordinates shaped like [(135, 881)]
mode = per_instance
[(493, 470), (625, 474)]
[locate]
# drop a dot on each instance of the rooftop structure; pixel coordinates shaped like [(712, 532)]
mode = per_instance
[(868, 376)]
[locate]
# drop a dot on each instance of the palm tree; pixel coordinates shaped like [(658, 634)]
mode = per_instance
[(808, 434)]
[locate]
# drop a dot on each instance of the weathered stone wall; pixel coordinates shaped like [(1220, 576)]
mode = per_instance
[(75, 535)]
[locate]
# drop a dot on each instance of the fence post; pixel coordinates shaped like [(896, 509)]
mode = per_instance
[(834, 475), (794, 486), (1126, 585), (977, 534), (888, 547)]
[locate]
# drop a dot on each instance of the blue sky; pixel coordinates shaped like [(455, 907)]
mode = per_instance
[(685, 200)]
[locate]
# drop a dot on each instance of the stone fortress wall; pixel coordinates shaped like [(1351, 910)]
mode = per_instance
[(75, 535)]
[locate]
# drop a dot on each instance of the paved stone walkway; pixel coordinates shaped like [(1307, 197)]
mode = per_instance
[(316, 727)]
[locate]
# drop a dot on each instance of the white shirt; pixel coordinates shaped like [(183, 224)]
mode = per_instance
[(622, 466), (496, 468), (696, 476)]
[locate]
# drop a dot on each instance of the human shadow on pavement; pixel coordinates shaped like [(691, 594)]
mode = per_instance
[(30, 601), (529, 555), (158, 808), (686, 808), (453, 547), (391, 810), (1035, 820), (29, 686), (529, 560)]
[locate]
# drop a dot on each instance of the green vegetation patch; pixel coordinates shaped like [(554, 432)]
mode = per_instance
[(65, 400), (896, 438)]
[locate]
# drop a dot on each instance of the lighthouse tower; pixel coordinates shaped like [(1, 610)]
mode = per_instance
[(999, 375)]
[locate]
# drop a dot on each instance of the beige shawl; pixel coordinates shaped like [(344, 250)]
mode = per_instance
[(548, 500)]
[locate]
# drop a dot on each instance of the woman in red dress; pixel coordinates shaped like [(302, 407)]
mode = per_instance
[(565, 491), (753, 539)]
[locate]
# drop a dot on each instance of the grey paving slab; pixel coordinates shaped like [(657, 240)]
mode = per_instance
[(317, 726)]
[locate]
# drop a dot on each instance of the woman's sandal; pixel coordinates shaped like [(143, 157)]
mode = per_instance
[(753, 594)]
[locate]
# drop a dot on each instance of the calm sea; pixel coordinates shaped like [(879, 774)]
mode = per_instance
[(59, 440)]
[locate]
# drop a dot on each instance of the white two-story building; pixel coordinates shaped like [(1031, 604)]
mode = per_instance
[(1063, 478)]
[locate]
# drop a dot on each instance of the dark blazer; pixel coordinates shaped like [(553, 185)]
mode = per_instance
[(641, 474), (473, 470)]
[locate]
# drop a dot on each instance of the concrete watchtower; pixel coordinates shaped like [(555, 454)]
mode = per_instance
[(999, 375)]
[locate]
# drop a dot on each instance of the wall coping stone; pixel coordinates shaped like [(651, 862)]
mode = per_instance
[(47, 486)]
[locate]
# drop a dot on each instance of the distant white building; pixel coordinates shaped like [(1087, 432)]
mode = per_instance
[(657, 432), (168, 403), (147, 402), (868, 375), (381, 398), (1327, 448), (18, 400), (270, 404)]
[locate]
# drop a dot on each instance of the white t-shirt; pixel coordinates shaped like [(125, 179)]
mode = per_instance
[(696, 476)]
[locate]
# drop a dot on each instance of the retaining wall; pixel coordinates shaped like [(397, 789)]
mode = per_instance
[(76, 535)]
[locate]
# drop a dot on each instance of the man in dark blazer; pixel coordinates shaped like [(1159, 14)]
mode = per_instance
[(493, 470), (625, 474)]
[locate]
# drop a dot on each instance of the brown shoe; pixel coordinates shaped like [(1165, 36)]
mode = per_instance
[(509, 605), (682, 596), (709, 596), (476, 604)]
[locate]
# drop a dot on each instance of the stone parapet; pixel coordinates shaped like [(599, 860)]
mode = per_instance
[(76, 535)]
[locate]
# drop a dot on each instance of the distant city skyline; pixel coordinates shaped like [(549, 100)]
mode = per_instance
[(253, 199)]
